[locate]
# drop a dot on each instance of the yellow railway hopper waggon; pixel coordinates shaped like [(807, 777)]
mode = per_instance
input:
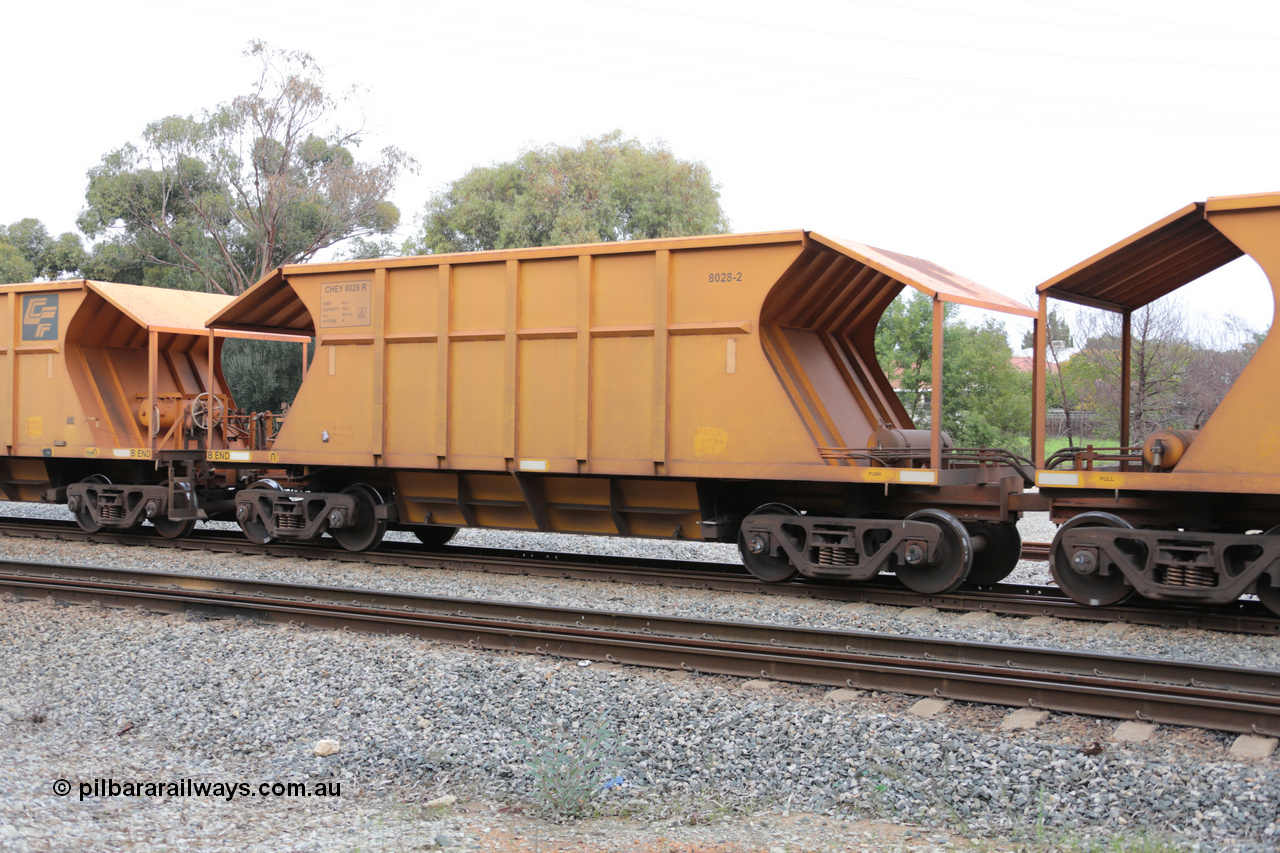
[(719, 388), (1185, 515), (110, 389)]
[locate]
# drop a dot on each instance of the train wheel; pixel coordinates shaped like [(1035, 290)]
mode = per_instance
[(997, 547), (767, 568), (953, 563), (368, 530), (1268, 594), (254, 530), (434, 535), (1088, 587), (84, 515), (173, 529), (85, 519)]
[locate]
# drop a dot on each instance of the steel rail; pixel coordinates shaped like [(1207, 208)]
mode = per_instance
[(1247, 617), (1178, 693)]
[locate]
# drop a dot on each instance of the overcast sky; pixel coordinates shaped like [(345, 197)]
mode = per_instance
[(1004, 139)]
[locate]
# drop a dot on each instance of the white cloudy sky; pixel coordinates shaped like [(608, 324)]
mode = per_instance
[(1005, 139)]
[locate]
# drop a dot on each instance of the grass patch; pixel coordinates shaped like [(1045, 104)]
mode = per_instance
[(569, 773)]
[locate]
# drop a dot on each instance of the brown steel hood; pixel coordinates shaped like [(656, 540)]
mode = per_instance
[(1150, 264), (269, 306), (925, 276)]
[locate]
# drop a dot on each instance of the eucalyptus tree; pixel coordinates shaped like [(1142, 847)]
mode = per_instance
[(43, 256), (215, 202), (605, 189)]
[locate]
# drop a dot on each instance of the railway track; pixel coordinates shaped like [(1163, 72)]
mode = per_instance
[(1224, 698), (1247, 617)]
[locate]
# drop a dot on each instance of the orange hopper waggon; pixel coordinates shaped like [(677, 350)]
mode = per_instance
[(716, 388)]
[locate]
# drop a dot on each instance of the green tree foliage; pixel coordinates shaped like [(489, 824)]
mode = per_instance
[(217, 202), (904, 348), (265, 375), (48, 257), (14, 267), (360, 249), (31, 238), (606, 189), (986, 401)]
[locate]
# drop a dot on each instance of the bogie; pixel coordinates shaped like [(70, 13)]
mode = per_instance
[(930, 551)]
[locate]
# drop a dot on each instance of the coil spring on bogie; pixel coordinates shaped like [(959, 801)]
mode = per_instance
[(111, 511), (290, 522), (834, 555), (1190, 576)]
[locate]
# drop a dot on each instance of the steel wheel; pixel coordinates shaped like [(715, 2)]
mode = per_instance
[(434, 535), (1266, 592), (84, 518), (84, 515), (255, 531), (954, 558), (173, 529), (767, 568), (1089, 588), (366, 530), (997, 547)]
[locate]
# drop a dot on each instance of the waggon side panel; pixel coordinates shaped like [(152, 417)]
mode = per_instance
[(612, 364), (727, 406), (332, 417)]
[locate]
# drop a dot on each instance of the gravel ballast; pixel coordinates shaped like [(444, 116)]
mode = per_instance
[(93, 693)]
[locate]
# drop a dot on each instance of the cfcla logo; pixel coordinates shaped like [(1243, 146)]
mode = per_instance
[(40, 317)]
